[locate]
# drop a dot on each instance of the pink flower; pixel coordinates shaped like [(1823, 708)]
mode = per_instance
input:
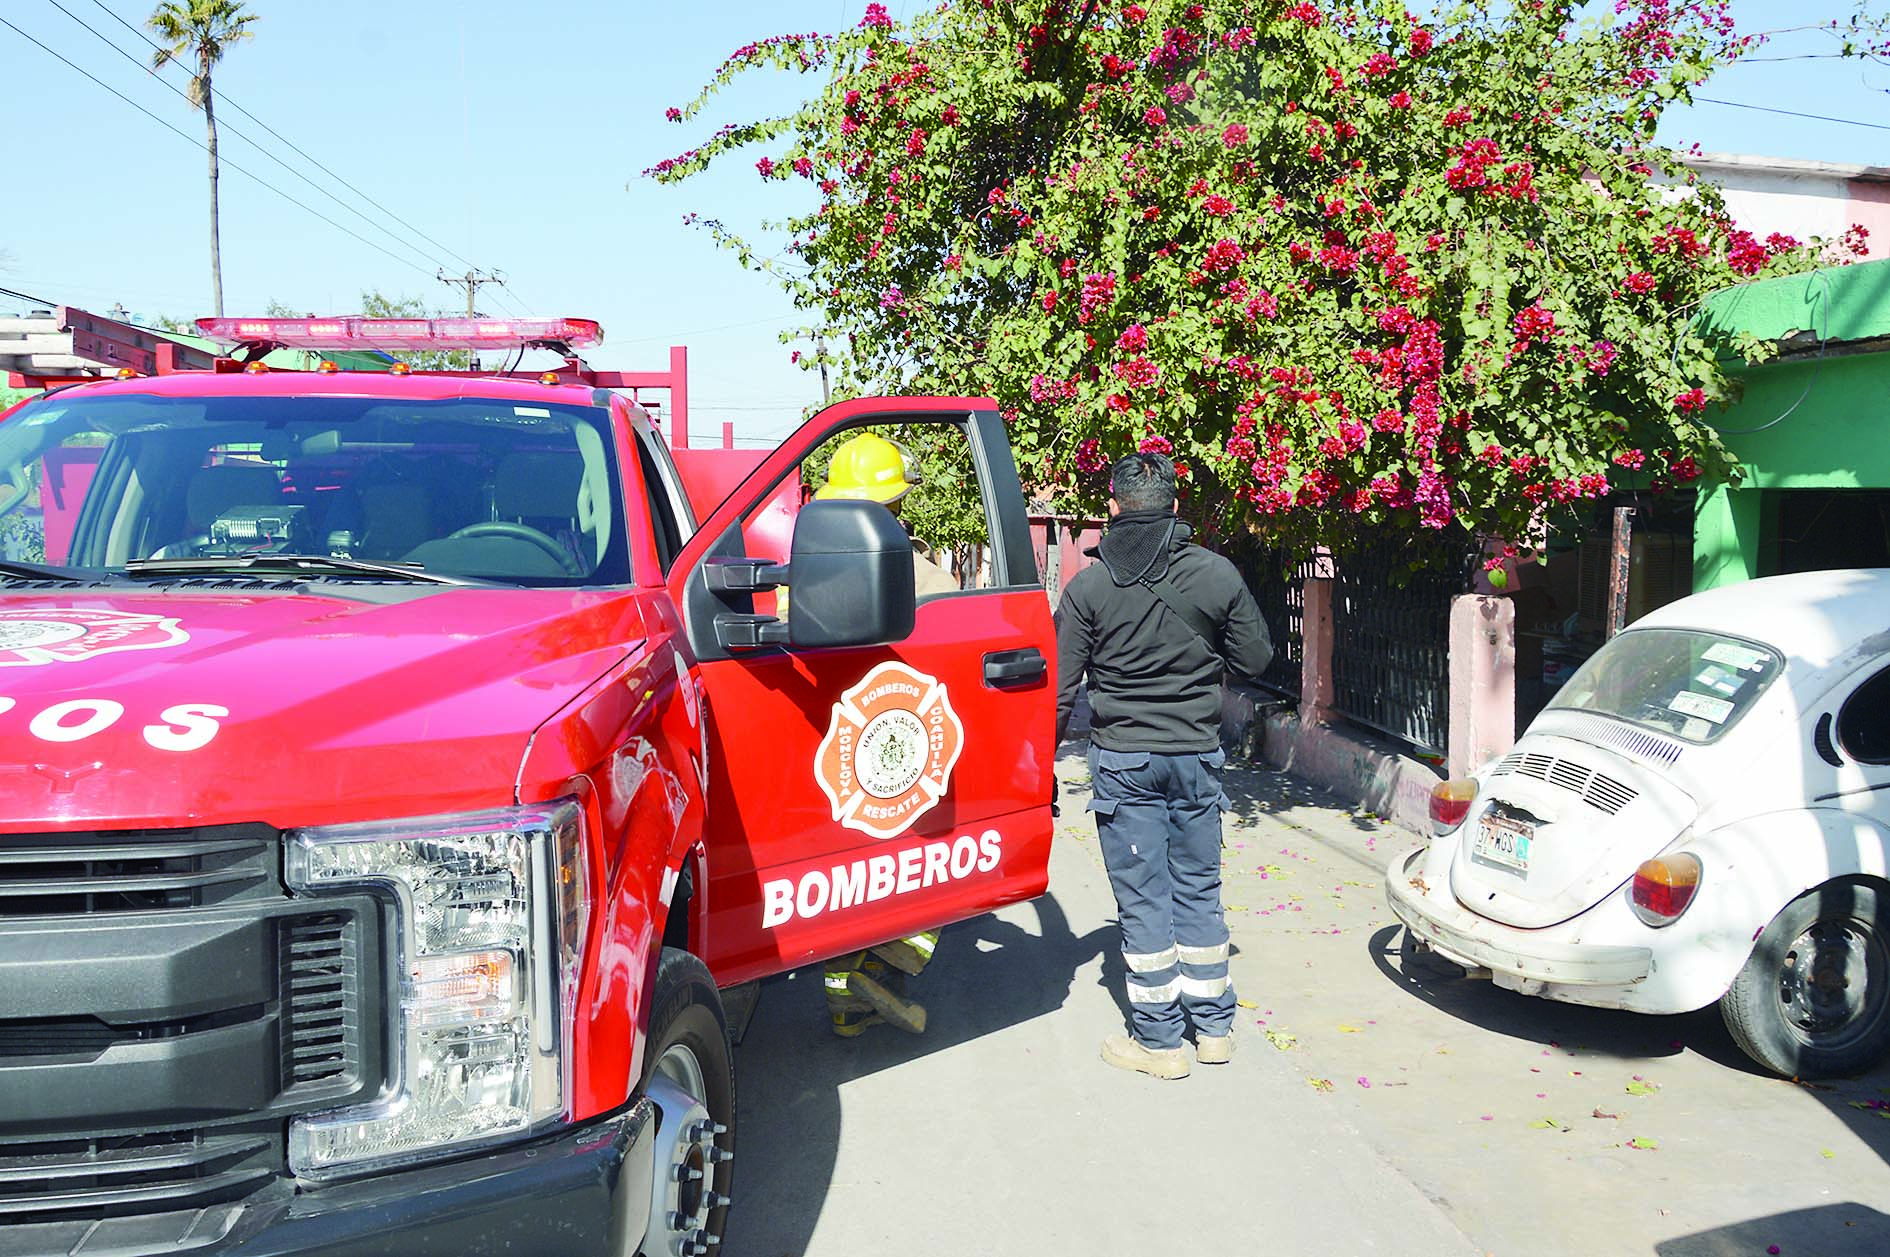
[(876, 16), (950, 116), (1154, 117), (1535, 322), (1134, 14), (1235, 135), (1457, 117), (1099, 290), (915, 143), (1223, 255), (1639, 281), (1633, 460), (1218, 205), (1379, 64), (1691, 401), (1400, 100), (1137, 372), (765, 166), (1152, 444), (1304, 13), (1134, 339), (954, 261), (1601, 356), (1050, 300), (1089, 456), (804, 167), (1420, 41), (673, 114)]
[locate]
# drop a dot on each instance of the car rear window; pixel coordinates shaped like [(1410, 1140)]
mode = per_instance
[(1691, 684)]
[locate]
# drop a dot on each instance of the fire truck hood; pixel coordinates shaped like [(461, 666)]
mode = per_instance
[(155, 710)]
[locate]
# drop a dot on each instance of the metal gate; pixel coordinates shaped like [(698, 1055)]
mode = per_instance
[(1391, 635), (1281, 592)]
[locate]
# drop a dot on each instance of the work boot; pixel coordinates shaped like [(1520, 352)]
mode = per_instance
[(909, 955), (887, 998), (834, 982), (850, 1025), (1214, 1049), (1125, 1053)]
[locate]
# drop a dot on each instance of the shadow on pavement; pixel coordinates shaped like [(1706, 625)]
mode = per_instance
[(1835, 1230), (988, 974)]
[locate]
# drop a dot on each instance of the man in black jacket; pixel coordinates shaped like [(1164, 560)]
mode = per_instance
[(1153, 624)]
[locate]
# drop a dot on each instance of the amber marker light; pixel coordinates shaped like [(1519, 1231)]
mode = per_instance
[(549, 377), (258, 367), (401, 368), (327, 367), (126, 373), (1663, 887), (1450, 802)]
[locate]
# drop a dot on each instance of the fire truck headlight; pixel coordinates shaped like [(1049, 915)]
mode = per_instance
[(488, 913)]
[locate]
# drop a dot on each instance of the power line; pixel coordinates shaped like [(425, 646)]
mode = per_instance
[(239, 133), (206, 148), (1790, 113), (295, 147)]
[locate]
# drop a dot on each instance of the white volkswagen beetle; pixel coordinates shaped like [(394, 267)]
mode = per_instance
[(1702, 814)]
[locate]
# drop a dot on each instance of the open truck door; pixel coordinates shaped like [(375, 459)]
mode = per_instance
[(874, 767)]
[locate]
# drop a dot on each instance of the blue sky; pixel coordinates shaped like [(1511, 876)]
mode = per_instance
[(516, 143)]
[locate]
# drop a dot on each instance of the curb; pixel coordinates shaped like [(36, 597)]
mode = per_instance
[(1374, 777)]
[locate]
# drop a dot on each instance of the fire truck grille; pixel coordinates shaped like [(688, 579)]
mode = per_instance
[(134, 1173), (320, 960), (135, 871)]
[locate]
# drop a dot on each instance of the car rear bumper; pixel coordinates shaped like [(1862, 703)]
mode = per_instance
[(579, 1193), (1528, 960)]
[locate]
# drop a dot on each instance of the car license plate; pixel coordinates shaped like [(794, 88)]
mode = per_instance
[(1501, 840)]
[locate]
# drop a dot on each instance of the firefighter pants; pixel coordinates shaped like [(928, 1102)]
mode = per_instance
[(1159, 820)]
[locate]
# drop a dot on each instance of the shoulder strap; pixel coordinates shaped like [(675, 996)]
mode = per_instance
[(1191, 615)]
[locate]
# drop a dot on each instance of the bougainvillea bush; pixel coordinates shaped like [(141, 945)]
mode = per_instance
[(1346, 264)]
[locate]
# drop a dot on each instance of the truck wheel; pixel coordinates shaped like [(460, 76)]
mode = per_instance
[(689, 1074), (1813, 1000)]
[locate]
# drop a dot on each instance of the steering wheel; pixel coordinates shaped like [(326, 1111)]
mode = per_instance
[(522, 532)]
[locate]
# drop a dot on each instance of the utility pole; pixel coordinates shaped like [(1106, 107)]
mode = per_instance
[(819, 337), (471, 281)]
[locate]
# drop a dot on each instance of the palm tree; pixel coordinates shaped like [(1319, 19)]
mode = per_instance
[(203, 28)]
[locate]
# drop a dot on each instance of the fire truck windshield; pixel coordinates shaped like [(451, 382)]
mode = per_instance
[(482, 488)]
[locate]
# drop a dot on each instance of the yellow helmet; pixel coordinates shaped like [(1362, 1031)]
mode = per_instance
[(869, 468)]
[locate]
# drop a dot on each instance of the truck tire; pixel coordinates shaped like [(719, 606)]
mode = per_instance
[(689, 1074), (1813, 1000)]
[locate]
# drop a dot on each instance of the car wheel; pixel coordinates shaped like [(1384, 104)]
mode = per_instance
[(1814, 997), (689, 1074)]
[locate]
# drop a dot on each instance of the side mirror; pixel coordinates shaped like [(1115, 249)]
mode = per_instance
[(849, 581), (850, 577)]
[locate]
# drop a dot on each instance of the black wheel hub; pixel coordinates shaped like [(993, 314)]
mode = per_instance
[(1831, 982)]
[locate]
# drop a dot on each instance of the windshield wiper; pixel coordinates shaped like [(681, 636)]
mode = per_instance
[(316, 565), (19, 569)]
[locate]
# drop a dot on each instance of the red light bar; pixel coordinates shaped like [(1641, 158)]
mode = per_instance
[(362, 333)]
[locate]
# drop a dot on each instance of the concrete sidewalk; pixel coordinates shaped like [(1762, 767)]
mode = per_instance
[(1000, 1131)]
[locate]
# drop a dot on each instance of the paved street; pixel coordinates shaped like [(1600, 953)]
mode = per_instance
[(1368, 1111)]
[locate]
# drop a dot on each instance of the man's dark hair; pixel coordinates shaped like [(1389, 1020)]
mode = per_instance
[(1143, 482)]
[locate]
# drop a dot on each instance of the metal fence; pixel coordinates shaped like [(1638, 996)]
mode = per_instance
[(1391, 636), (1281, 593)]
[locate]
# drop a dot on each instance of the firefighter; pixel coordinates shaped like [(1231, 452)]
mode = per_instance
[(868, 988), (1154, 625), (872, 469)]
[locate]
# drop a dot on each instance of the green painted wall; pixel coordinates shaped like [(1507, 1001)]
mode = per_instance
[(1817, 421)]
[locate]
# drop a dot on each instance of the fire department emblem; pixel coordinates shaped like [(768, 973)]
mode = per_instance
[(888, 755), (34, 635)]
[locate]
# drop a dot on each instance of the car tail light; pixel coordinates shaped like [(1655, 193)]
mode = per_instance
[(1450, 802), (1663, 887)]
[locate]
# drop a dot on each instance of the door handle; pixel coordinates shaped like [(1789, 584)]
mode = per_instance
[(1003, 668)]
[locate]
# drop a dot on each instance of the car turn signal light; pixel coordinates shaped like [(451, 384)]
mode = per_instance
[(1663, 887), (1450, 802)]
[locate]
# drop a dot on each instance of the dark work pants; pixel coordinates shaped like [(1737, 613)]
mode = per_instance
[(1159, 820)]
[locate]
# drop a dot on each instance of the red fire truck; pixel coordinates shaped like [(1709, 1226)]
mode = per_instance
[(406, 781)]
